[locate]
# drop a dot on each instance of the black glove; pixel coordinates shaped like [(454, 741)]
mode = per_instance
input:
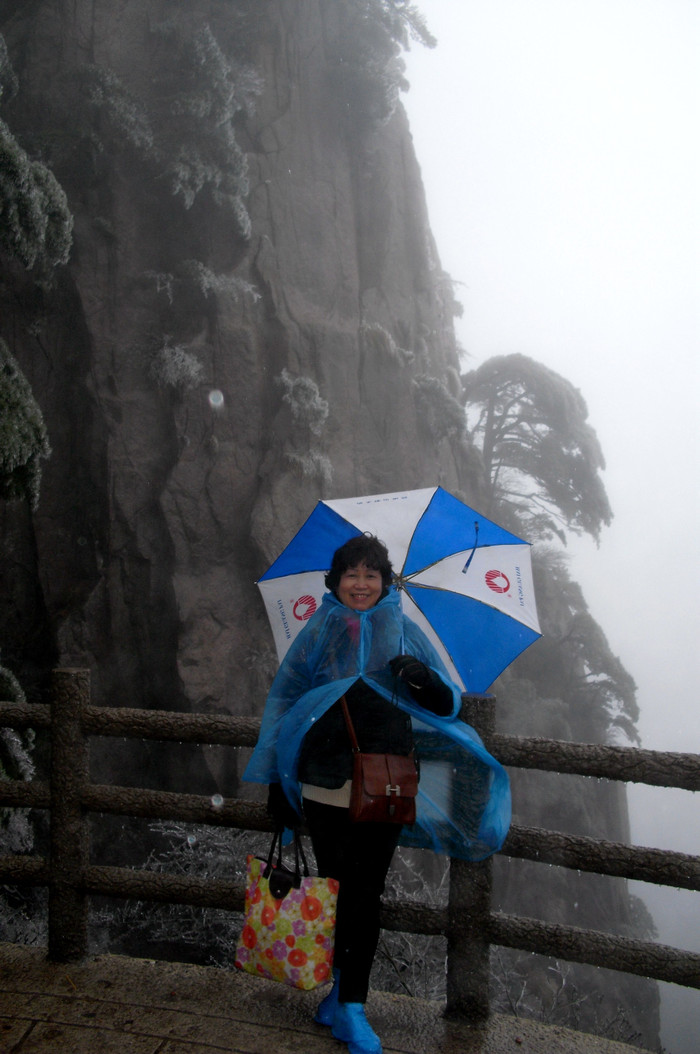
[(411, 670), (278, 807), (427, 689)]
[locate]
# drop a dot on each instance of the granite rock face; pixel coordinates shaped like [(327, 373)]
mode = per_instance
[(314, 343)]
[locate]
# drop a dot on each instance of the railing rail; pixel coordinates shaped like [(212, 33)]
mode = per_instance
[(630, 764), (467, 921)]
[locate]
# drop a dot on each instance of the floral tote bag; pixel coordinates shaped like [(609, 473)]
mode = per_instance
[(289, 921)]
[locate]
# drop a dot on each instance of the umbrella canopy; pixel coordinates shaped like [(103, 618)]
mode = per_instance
[(466, 581)]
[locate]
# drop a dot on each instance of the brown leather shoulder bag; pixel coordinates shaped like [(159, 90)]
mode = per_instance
[(384, 786)]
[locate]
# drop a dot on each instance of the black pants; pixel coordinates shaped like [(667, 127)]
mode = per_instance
[(358, 855)]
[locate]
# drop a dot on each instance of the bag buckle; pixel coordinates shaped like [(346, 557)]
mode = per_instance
[(392, 790)]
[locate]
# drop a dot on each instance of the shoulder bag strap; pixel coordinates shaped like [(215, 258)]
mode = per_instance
[(350, 726)]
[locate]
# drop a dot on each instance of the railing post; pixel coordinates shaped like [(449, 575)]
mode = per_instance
[(68, 908), (469, 906)]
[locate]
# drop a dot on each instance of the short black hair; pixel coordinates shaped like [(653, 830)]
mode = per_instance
[(362, 549)]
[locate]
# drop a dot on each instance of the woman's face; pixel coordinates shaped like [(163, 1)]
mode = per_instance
[(360, 587)]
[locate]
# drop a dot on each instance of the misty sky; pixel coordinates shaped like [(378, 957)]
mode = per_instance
[(559, 148), (558, 141)]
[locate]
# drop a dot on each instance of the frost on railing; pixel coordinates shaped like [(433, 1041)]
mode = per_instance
[(464, 918)]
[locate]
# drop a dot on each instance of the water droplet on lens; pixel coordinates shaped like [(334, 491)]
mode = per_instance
[(191, 840), (216, 399), (217, 801)]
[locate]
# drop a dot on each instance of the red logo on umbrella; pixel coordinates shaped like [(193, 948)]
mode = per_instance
[(497, 581), (304, 608)]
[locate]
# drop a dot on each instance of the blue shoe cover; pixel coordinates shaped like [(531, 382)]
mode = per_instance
[(352, 1027), (327, 1007)]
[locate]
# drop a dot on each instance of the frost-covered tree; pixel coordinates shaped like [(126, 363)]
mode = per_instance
[(23, 438), (401, 19), (541, 461), (541, 457), (369, 69), (201, 99), (36, 225)]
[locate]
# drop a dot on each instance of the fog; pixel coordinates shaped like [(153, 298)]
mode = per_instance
[(560, 154)]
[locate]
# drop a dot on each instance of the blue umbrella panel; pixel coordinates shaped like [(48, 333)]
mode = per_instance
[(465, 580)]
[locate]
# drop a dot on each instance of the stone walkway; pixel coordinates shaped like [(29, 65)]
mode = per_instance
[(115, 1005)]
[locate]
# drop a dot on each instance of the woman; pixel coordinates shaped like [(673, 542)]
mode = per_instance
[(360, 645)]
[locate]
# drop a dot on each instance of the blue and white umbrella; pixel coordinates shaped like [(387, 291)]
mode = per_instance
[(466, 581)]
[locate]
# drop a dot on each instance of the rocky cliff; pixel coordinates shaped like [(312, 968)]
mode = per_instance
[(209, 366)]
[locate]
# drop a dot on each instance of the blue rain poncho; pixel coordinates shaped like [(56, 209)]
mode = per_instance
[(463, 804)]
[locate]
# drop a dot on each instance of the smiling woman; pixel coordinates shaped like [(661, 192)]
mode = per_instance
[(360, 587), (362, 679), (360, 573)]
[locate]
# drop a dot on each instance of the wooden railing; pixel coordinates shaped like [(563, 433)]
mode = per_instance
[(467, 922)]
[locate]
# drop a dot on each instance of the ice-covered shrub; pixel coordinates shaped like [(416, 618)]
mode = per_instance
[(173, 366), (207, 935), (15, 749), (208, 281), (439, 411), (405, 963), (20, 922), (195, 275), (312, 465), (116, 104), (302, 396), (379, 341)]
